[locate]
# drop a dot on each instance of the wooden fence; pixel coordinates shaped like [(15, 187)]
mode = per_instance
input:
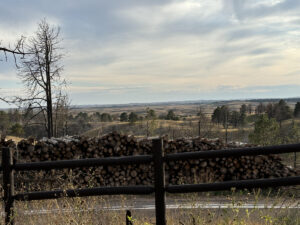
[(159, 188)]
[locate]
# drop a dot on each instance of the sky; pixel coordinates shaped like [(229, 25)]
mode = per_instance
[(137, 51)]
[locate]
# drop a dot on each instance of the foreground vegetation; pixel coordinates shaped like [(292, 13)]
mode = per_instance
[(111, 210)]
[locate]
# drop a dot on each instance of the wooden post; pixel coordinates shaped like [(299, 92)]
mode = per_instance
[(8, 185), (295, 160), (128, 218), (226, 127), (159, 176)]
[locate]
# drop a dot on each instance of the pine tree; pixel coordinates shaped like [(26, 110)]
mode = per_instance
[(124, 117), (266, 132), (133, 117), (216, 116), (282, 111), (297, 110)]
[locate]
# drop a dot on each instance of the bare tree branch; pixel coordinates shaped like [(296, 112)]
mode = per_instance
[(39, 70), (17, 50)]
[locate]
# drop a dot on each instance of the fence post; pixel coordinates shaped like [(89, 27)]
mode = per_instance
[(159, 176), (128, 218), (8, 185)]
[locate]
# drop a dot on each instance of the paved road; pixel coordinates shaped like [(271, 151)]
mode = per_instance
[(196, 205)]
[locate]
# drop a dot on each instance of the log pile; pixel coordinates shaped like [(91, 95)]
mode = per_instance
[(115, 144), (221, 169)]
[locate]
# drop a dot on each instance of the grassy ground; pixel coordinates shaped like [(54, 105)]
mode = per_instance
[(89, 210), (174, 129)]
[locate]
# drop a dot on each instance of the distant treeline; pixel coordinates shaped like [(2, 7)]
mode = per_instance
[(265, 122)]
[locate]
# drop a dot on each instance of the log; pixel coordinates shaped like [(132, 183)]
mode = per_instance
[(116, 144)]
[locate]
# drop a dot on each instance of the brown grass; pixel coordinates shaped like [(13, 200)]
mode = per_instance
[(89, 210)]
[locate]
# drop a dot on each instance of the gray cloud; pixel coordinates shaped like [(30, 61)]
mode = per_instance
[(244, 9), (177, 46)]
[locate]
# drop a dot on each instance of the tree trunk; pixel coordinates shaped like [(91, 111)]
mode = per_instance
[(48, 92)]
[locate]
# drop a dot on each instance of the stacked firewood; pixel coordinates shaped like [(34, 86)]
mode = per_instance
[(110, 145), (221, 169), (115, 144)]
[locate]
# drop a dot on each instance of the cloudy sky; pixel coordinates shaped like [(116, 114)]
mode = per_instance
[(164, 50)]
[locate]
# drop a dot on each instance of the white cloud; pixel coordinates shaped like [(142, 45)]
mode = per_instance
[(179, 46)]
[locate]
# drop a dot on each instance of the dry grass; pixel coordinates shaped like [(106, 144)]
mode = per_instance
[(13, 138), (91, 210)]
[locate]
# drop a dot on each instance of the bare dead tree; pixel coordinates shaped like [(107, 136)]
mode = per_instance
[(40, 71), (16, 50), (61, 110), (204, 123)]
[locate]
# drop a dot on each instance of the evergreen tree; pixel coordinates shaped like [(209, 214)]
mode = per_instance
[(124, 117), (133, 117), (242, 116), (82, 116), (249, 108), (297, 110), (98, 115), (282, 111), (261, 108), (234, 118), (293, 134), (266, 132), (150, 114), (243, 109), (221, 115), (4, 122), (106, 117), (271, 110), (216, 116), (17, 130), (225, 115), (171, 115)]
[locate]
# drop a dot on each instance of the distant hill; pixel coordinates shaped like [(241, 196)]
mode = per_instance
[(188, 102)]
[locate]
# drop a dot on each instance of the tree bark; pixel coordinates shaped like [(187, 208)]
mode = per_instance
[(49, 92)]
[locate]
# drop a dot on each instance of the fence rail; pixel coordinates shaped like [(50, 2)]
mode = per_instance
[(63, 164), (125, 190), (160, 188), (236, 152)]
